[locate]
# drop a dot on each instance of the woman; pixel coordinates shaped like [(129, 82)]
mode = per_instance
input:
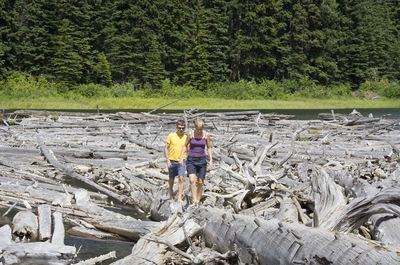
[(196, 163)]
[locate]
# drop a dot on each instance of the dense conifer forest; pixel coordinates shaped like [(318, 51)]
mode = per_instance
[(203, 42)]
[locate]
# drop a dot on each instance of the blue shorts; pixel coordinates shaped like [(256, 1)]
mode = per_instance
[(176, 169), (197, 166)]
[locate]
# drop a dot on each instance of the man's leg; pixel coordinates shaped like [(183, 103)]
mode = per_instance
[(171, 191)]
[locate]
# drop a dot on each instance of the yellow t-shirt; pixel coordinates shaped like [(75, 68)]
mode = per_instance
[(176, 144)]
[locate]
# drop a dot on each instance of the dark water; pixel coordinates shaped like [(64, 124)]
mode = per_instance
[(300, 114), (89, 248)]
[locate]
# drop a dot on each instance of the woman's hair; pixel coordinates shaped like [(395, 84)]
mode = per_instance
[(199, 123)]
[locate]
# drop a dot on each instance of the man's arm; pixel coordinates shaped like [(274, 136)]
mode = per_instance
[(166, 154)]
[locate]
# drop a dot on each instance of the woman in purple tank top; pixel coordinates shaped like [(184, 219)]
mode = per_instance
[(196, 163)]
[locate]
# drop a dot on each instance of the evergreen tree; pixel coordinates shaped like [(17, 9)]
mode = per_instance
[(218, 15), (72, 60), (196, 66), (133, 28), (369, 46), (103, 70), (175, 32), (155, 71), (4, 35), (68, 64), (31, 26), (255, 40)]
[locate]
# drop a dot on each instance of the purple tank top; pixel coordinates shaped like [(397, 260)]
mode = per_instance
[(197, 146)]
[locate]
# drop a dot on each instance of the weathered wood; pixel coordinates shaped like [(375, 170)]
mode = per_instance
[(275, 242), (25, 225), (44, 217)]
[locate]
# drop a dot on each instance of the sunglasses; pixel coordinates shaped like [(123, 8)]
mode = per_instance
[(181, 128)]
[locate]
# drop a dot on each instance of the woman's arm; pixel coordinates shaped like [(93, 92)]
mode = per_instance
[(184, 149), (209, 150)]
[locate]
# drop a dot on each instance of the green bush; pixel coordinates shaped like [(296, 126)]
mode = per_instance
[(90, 90), (237, 90), (341, 90), (23, 85), (171, 91), (374, 86), (273, 90), (122, 90), (392, 90)]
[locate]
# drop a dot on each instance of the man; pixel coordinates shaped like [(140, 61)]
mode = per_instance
[(175, 143)]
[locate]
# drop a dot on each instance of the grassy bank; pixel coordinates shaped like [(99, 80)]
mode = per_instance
[(55, 103)]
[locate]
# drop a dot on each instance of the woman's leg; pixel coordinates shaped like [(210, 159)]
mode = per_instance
[(193, 188), (199, 189), (180, 188)]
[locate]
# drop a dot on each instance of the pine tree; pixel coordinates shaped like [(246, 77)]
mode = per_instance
[(155, 71), (175, 32), (4, 36), (67, 62), (103, 70), (369, 46), (31, 26), (196, 66), (217, 15), (255, 40), (72, 59)]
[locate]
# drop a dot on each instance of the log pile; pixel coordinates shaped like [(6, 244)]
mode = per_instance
[(282, 191)]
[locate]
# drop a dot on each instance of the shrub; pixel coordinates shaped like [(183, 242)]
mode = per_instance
[(122, 90), (23, 85), (392, 90), (90, 90), (175, 91), (237, 90)]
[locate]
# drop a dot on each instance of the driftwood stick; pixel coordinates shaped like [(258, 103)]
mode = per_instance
[(68, 171), (99, 259), (165, 105)]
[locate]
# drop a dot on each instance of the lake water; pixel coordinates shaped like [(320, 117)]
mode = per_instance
[(300, 114)]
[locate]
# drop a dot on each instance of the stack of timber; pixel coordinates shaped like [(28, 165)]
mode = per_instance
[(282, 191)]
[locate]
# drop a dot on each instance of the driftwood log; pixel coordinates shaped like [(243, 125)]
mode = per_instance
[(282, 191)]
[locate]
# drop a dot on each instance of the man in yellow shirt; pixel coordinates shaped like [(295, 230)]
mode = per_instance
[(175, 143)]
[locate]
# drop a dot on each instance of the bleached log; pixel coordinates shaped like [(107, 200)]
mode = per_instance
[(359, 210), (171, 231), (68, 171), (288, 211), (25, 225), (37, 253), (275, 242), (384, 228), (91, 233), (329, 198), (44, 216), (5, 236), (99, 259), (59, 232)]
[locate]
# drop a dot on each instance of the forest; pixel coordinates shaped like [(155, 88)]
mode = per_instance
[(202, 44)]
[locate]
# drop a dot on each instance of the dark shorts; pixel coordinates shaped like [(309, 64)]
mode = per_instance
[(176, 169), (197, 165)]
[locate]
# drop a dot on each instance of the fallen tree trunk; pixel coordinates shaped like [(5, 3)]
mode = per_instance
[(273, 242)]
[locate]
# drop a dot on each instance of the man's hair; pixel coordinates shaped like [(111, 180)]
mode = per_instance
[(199, 123), (180, 122)]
